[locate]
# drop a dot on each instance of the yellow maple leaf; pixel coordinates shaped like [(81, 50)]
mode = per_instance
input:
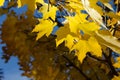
[(118, 13), (1, 2), (94, 47), (117, 64), (74, 22), (64, 34), (75, 6), (44, 28), (61, 33), (47, 10), (113, 15), (95, 15), (70, 41), (105, 38), (88, 27), (94, 5), (73, 1), (116, 78), (40, 1), (30, 4), (117, 2), (78, 22), (51, 13), (19, 3), (84, 46), (44, 7), (82, 49), (47, 23)]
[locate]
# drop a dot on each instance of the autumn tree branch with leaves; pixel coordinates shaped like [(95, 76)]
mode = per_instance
[(63, 39)]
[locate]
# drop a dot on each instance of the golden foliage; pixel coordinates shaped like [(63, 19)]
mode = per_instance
[(1, 2), (89, 40)]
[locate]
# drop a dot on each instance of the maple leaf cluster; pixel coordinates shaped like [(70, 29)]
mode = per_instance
[(78, 32)]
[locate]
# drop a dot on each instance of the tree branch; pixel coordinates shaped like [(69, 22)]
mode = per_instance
[(72, 64), (95, 73), (89, 55), (109, 62)]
